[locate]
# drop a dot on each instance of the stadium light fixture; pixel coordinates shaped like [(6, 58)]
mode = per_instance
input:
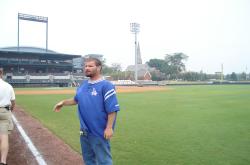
[(135, 28), (29, 17), (34, 18)]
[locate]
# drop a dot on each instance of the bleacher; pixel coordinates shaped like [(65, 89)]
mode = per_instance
[(30, 66), (36, 79), (124, 82)]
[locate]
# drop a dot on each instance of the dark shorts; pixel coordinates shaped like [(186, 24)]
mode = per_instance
[(6, 123)]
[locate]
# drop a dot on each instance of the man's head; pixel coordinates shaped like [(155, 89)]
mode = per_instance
[(93, 67)]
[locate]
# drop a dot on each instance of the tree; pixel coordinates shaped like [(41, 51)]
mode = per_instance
[(176, 64), (234, 76), (162, 69), (157, 75), (242, 76), (159, 64), (106, 69), (116, 67), (190, 76), (171, 66)]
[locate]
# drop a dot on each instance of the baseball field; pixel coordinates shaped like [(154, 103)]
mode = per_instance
[(176, 125)]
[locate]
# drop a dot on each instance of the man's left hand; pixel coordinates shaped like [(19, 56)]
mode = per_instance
[(108, 133)]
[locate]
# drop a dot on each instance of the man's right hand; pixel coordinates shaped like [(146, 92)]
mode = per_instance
[(58, 106), (67, 102)]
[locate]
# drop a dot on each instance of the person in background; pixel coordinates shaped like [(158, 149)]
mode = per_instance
[(7, 104), (97, 109)]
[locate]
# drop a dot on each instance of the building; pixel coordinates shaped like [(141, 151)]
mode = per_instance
[(143, 71)]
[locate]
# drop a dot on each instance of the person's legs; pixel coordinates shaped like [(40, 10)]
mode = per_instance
[(87, 152), (102, 151), (4, 147), (6, 126)]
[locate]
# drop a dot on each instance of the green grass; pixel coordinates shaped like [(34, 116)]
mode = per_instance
[(189, 125)]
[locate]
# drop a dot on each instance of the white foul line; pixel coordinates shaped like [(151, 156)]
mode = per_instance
[(27, 140)]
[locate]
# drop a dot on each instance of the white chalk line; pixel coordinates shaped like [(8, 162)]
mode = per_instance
[(29, 143)]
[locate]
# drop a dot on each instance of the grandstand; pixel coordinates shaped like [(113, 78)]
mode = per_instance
[(31, 66)]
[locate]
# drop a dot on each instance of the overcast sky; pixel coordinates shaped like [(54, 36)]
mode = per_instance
[(210, 32)]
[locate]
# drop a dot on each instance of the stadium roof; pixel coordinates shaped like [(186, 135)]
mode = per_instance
[(27, 49), (34, 51)]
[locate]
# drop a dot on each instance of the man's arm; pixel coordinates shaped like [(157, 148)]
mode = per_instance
[(67, 102), (108, 132), (13, 104), (12, 99)]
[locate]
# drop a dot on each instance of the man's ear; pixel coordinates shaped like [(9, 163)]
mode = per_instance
[(99, 68)]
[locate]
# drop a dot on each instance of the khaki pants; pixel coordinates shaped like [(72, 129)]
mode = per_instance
[(6, 123)]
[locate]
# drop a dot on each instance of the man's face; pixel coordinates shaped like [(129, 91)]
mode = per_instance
[(91, 69)]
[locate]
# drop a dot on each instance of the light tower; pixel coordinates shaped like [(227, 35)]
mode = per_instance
[(135, 28), (34, 18), (221, 75), (246, 74)]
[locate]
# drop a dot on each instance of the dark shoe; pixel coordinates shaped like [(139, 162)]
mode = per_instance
[(2, 164)]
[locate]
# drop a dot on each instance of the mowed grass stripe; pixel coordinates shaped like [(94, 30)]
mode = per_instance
[(188, 125)]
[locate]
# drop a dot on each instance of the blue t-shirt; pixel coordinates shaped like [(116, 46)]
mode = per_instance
[(95, 101)]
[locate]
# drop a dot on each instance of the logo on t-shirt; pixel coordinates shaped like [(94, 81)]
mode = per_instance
[(93, 93)]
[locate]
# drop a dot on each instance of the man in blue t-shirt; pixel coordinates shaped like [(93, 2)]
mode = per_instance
[(97, 109)]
